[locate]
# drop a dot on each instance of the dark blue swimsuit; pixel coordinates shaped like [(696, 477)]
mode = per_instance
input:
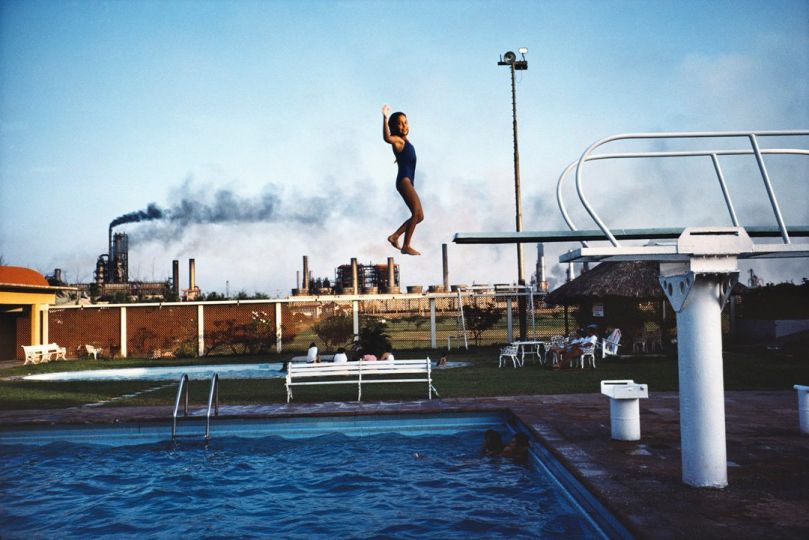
[(406, 159)]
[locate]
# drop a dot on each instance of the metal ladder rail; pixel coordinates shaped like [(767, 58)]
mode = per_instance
[(750, 135), (713, 154), (214, 391), (182, 385)]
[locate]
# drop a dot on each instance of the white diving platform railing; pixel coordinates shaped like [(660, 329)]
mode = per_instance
[(613, 235), (697, 273)]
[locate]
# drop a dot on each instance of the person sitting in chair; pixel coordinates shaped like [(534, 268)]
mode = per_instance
[(578, 347)]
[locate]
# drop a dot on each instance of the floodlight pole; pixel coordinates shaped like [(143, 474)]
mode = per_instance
[(510, 60)]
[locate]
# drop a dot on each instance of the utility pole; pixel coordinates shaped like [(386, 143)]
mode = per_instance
[(510, 59)]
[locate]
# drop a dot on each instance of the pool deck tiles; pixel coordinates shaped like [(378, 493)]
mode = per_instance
[(768, 473)]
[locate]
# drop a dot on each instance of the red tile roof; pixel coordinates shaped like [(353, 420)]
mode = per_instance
[(17, 275)]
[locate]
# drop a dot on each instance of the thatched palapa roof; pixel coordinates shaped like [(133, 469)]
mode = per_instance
[(634, 279)]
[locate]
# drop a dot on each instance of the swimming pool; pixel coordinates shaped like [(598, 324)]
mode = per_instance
[(387, 477), (270, 370)]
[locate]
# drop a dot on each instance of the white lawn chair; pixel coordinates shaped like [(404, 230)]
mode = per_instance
[(588, 355), (509, 351), (556, 342), (93, 351), (610, 344)]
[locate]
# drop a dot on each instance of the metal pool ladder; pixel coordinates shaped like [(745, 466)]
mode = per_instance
[(213, 403)]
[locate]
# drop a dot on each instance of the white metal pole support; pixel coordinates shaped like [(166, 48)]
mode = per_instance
[(698, 288), (698, 299)]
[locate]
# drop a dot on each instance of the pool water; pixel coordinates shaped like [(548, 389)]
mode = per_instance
[(381, 485)]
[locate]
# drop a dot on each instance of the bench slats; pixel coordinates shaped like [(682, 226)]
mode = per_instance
[(358, 372)]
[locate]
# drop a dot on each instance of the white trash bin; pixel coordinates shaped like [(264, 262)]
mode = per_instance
[(624, 407), (803, 407)]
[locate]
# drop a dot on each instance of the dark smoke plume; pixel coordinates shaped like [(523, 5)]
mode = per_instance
[(202, 205), (152, 212)]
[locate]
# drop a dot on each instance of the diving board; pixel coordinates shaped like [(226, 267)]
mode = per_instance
[(668, 233)]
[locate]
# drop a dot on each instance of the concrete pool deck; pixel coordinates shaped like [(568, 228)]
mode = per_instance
[(768, 458)]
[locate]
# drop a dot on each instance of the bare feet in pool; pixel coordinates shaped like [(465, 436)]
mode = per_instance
[(394, 241), (407, 250)]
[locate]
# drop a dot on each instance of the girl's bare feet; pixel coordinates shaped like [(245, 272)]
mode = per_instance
[(407, 250), (394, 241)]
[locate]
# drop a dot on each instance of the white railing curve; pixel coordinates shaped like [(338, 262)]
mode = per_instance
[(755, 150)]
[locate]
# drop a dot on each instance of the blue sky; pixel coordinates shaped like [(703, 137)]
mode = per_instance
[(261, 121)]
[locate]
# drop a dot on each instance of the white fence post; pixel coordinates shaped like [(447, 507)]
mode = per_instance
[(44, 317), (200, 330), (279, 333), (432, 323), (123, 332), (509, 323), (355, 306)]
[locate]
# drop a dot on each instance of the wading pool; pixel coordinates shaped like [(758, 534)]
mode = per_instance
[(398, 476), (270, 370)]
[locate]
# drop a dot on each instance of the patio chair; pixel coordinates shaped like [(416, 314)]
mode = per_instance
[(556, 343), (610, 344), (588, 355), (509, 351), (93, 351)]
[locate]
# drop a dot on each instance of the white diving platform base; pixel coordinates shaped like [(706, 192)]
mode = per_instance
[(702, 397), (697, 275)]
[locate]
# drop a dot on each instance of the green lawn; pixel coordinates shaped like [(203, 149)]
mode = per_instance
[(481, 378)]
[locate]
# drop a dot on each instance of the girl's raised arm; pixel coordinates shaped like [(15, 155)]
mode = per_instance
[(395, 140)]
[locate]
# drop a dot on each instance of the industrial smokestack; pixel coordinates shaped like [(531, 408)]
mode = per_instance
[(297, 279), (355, 280), (445, 262), (305, 273), (392, 289), (192, 274), (175, 277), (542, 282)]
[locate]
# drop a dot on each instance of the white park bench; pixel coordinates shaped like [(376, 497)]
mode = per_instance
[(34, 354), (359, 373)]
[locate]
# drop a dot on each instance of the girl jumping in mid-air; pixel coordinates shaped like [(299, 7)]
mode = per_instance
[(394, 131)]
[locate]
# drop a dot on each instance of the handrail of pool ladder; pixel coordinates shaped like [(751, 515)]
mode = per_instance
[(213, 392), (183, 384)]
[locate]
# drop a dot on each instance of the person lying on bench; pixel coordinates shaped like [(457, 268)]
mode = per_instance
[(340, 356), (312, 355)]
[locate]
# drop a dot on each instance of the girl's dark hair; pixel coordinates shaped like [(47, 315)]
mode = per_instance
[(392, 122)]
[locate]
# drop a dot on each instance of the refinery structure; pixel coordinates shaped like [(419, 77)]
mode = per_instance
[(112, 282)]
